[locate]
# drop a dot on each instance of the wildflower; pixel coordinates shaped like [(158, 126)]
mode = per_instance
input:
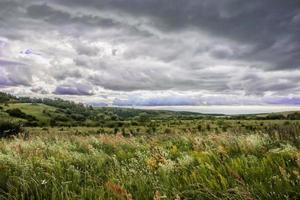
[(177, 197), (284, 173), (297, 174), (118, 191), (152, 164), (237, 177), (19, 149), (157, 196)]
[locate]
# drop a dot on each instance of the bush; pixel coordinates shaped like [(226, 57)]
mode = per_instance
[(293, 116), (285, 132), (275, 116), (61, 118), (31, 124), (8, 128), (16, 112), (78, 117)]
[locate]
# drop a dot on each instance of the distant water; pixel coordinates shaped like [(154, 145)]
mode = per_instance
[(228, 110)]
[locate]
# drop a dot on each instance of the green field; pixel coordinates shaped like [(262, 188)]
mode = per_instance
[(134, 154), (35, 110)]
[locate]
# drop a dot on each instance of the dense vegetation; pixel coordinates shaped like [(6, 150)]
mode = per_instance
[(55, 149), (58, 112), (8, 128)]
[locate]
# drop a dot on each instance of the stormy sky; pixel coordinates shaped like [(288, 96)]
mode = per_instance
[(152, 52)]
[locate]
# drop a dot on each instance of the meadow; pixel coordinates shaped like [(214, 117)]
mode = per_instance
[(192, 159), (54, 149)]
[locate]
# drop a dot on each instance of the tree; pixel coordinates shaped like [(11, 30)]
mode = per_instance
[(143, 117)]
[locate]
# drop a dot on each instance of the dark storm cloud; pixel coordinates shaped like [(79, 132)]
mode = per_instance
[(57, 16), (271, 27), (45, 12)]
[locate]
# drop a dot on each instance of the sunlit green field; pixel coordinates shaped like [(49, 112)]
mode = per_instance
[(196, 159), (35, 110)]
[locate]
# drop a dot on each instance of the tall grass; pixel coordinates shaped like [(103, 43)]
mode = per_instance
[(65, 164)]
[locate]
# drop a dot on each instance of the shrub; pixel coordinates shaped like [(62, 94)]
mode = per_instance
[(134, 123), (285, 132), (61, 118), (169, 131), (16, 112), (31, 123), (293, 116), (8, 128), (78, 117), (275, 116), (52, 122)]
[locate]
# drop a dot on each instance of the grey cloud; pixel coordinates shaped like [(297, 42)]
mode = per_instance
[(73, 90), (134, 78), (15, 76), (259, 23), (156, 101), (83, 49), (215, 47), (65, 74), (45, 12), (57, 16), (39, 90), (10, 63)]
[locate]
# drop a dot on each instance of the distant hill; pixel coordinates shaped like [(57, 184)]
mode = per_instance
[(59, 112), (288, 115)]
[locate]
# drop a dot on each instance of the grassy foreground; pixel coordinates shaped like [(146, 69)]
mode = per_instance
[(80, 163)]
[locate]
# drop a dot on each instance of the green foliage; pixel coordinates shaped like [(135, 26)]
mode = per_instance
[(58, 112), (16, 112), (4, 97), (9, 128), (275, 116), (285, 132), (293, 116)]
